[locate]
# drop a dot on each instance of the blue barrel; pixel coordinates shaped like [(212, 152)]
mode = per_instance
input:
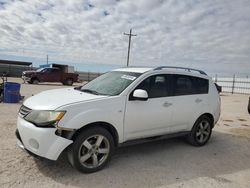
[(11, 92)]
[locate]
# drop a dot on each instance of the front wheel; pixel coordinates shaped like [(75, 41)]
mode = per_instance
[(34, 81), (201, 131), (91, 150)]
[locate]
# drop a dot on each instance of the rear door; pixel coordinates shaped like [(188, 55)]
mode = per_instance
[(190, 98)]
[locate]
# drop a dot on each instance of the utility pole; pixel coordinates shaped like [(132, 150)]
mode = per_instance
[(47, 59), (129, 41)]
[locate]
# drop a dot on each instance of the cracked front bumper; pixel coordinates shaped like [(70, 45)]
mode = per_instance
[(40, 141)]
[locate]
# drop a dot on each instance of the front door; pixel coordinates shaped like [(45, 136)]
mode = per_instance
[(152, 117), (46, 75)]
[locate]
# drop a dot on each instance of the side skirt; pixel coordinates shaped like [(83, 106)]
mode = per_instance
[(154, 138)]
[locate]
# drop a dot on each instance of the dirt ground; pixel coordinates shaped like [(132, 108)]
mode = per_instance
[(223, 162)]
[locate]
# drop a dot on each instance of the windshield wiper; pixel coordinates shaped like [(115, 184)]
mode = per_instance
[(90, 91)]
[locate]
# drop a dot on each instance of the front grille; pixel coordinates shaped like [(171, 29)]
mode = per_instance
[(24, 111)]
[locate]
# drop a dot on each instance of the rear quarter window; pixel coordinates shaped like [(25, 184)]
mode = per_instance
[(201, 85)]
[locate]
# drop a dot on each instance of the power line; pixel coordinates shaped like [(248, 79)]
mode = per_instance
[(129, 41)]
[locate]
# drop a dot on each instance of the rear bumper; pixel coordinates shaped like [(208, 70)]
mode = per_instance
[(40, 141)]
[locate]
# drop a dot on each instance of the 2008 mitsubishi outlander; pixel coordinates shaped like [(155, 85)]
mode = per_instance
[(126, 104)]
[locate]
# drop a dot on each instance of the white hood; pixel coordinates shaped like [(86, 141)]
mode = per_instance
[(53, 99)]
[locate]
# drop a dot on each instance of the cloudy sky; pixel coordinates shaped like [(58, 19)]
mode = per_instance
[(213, 35)]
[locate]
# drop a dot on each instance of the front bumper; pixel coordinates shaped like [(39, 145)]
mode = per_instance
[(25, 78), (40, 141)]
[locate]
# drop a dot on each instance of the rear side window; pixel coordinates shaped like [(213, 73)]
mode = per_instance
[(183, 85), (189, 85)]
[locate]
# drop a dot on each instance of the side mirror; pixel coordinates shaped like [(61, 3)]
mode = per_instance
[(140, 94)]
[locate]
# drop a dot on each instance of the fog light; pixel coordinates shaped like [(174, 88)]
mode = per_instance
[(34, 144)]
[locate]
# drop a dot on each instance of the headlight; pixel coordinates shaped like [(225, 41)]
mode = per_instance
[(44, 118)]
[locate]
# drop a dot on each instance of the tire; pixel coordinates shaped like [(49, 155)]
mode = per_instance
[(201, 131), (35, 81), (69, 82), (91, 150)]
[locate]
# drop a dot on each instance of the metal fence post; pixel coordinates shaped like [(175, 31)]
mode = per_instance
[(9, 72), (233, 84), (216, 78), (88, 76)]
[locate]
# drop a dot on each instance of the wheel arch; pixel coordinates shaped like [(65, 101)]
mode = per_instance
[(35, 78), (110, 128), (210, 116)]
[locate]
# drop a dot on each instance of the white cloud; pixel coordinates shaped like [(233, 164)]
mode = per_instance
[(194, 33)]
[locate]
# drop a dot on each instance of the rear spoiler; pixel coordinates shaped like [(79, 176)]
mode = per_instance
[(219, 88)]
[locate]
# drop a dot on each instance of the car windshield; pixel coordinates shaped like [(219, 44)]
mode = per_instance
[(111, 83)]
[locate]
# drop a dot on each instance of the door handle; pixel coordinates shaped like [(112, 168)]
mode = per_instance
[(198, 100), (167, 104)]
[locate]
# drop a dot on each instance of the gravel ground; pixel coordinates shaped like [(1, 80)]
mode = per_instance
[(223, 162)]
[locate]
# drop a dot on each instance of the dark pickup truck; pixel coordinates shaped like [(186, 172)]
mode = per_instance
[(49, 74)]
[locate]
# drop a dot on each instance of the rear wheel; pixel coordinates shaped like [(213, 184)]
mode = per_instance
[(91, 150), (68, 82), (200, 132)]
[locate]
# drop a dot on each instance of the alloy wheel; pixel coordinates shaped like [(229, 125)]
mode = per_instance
[(94, 151), (203, 131)]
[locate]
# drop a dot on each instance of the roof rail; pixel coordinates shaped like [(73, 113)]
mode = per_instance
[(183, 68)]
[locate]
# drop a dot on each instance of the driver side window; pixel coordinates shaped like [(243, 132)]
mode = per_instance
[(156, 86)]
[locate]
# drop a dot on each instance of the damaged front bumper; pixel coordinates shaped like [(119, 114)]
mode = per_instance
[(43, 142)]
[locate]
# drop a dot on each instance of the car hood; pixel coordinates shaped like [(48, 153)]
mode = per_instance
[(53, 99)]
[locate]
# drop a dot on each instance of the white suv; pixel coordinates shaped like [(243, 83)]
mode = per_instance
[(126, 104)]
